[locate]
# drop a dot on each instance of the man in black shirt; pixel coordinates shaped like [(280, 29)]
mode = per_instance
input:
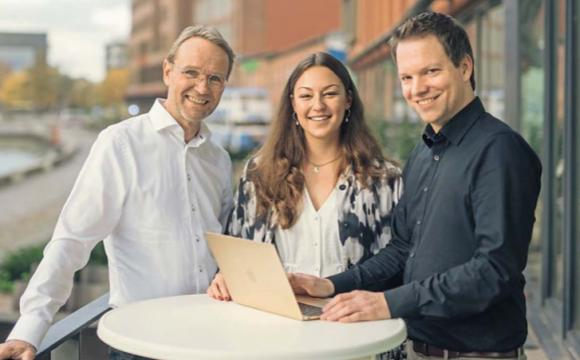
[(462, 228)]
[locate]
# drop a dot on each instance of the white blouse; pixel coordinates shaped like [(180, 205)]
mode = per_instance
[(312, 245)]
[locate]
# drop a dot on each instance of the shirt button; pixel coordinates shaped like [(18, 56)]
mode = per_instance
[(418, 222), (201, 269), (342, 187), (436, 158), (197, 238), (315, 244), (412, 255), (316, 218), (192, 208), (188, 177), (425, 189)]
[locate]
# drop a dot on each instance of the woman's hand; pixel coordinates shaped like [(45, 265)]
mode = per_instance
[(218, 289)]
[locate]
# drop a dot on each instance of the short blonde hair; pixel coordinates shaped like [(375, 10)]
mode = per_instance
[(208, 33)]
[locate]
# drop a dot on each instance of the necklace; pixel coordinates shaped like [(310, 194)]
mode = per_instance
[(316, 167)]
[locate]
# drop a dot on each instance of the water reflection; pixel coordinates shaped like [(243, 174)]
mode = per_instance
[(14, 160)]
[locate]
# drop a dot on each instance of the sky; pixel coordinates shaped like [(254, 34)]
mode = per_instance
[(77, 30)]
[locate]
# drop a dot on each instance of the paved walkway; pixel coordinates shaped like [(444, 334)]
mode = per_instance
[(29, 209)]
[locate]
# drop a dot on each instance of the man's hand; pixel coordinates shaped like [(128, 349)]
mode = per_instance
[(218, 289), (357, 306), (303, 284), (17, 350)]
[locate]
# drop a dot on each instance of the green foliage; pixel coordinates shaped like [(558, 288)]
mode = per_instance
[(17, 264), (396, 139), (6, 285), (98, 256)]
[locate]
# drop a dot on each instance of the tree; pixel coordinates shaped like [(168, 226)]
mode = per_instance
[(113, 88), (82, 94), (15, 91), (44, 81)]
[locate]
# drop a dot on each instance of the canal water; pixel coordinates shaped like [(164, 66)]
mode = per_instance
[(13, 160)]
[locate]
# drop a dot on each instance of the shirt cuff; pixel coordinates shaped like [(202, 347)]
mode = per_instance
[(29, 328), (343, 282), (402, 301)]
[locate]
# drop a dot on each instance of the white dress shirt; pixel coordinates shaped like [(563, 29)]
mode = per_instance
[(312, 245), (150, 197)]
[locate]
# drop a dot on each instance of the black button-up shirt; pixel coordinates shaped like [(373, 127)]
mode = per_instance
[(460, 236)]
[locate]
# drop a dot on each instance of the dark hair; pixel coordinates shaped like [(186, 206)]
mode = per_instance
[(277, 173), (446, 29)]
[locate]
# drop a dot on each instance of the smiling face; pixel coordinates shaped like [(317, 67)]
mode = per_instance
[(320, 101), (190, 99), (432, 85)]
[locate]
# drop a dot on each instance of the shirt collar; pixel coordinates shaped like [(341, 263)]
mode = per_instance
[(161, 119), (457, 127)]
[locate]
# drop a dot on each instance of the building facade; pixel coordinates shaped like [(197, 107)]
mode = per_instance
[(20, 51), (155, 24), (116, 56), (268, 36)]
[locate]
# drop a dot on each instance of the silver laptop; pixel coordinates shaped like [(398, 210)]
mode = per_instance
[(255, 277)]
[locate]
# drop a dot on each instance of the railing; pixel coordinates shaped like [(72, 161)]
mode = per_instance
[(63, 341)]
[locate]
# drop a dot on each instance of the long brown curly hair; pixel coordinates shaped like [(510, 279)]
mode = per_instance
[(277, 171)]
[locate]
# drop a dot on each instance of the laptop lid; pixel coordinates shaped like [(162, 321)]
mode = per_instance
[(254, 274)]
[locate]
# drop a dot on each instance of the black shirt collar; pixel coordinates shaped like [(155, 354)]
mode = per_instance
[(457, 127)]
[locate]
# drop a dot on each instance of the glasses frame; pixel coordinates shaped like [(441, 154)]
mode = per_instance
[(187, 72)]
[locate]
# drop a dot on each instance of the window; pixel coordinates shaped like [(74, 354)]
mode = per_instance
[(557, 208), (531, 40), (491, 48)]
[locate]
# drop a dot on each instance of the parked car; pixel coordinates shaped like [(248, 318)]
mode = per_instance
[(240, 122)]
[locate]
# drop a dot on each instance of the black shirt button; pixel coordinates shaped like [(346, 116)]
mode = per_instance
[(342, 187)]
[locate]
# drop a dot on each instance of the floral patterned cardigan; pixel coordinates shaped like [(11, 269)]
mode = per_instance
[(364, 213)]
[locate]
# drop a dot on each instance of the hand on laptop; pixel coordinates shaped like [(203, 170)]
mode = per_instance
[(357, 306), (303, 284), (218, 289)]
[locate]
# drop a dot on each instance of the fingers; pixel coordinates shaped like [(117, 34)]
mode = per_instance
[(17, 349), (28, 355), (222, 287), (218, 289), (356, 306), (340, 307), (303, 284), (296, 283), (338, 301), (5, 351)]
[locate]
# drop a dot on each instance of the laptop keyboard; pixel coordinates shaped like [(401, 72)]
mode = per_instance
[(309, 310)]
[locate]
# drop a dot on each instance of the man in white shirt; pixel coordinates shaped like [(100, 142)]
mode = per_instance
[(150, 187)]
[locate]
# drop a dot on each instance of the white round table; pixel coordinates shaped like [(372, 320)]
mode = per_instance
[(198, 327)]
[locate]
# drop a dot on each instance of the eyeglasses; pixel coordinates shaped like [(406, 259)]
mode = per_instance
[(213, 81)]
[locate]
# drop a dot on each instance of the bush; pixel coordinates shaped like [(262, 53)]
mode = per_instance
[(397, 139), (18, 264), (98, 256), (6, 285)]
